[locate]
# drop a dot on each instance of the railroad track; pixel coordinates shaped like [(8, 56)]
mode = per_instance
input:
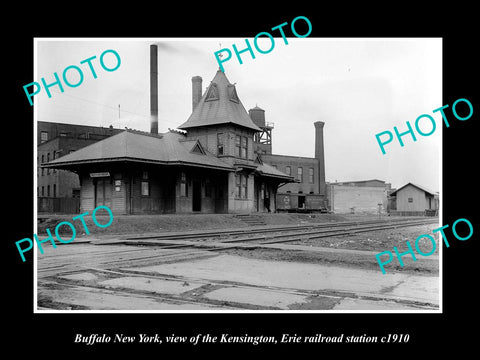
[(90, 277), (270, 234), (197, 296)]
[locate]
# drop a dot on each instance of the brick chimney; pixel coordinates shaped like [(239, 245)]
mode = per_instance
[(196, 91), (153, 89), (319, 154)]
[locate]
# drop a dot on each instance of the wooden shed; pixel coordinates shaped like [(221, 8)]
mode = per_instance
[(414, 200)]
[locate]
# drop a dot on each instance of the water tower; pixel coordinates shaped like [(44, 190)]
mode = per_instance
[(262, 139)]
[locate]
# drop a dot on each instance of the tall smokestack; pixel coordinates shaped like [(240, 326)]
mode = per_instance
[(153, 89), (196, 91), (319, 154)]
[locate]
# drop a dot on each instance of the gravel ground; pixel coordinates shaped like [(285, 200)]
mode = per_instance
[(382, 240), (377, 241), (137, 224)]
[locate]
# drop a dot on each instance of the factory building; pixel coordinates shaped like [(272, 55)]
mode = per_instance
[(59, 190), (308, 191)]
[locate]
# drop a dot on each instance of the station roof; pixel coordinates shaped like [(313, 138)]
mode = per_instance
[(219, 104), (270, 171), (168, 149), (171, 148)]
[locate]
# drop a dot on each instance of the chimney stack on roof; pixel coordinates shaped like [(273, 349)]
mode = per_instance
[(154, 89), (196, 91), (320, 155)]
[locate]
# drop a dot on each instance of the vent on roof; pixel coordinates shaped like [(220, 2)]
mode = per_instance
[(232, 94), (212, 93), (198, 149)]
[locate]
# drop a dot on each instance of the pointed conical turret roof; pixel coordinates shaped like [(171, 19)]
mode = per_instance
[(219, 105)]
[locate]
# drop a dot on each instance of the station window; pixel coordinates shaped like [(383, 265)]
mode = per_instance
[(183, 185), (310, 175), (237, 145), (410, 200), (288, 170), (241, 146), (244, 147), (48, 190), (241, 186), (237, 185), (145, 184), (300, 174), (220, 144), (145, 188)]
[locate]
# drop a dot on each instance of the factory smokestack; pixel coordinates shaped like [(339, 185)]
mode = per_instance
[(196, 91), (319, 154), (153, 89)]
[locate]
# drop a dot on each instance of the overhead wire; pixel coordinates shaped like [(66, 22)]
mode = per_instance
[(111, 107)]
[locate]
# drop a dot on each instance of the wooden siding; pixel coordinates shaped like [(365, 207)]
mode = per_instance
[(418, 203), (87, 195)]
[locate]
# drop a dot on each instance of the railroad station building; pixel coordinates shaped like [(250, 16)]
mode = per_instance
[(209, 165)]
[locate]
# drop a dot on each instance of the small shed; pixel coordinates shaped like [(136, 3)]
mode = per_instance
[(415, 200)]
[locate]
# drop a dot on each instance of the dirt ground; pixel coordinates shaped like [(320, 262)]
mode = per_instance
[(131, 224), (376, 242), (379, 240)]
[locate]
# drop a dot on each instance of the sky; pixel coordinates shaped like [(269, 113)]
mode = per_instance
[(358, 87)]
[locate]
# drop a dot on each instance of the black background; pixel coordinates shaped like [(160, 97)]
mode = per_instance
[(52, 334)]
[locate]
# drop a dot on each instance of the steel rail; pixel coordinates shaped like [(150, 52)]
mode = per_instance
[(279, 229)]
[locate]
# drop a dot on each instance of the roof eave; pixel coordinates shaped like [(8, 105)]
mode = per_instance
[(136, 160), (288, 178), (185, 126)]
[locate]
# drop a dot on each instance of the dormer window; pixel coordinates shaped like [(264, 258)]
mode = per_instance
[(212, 93), (232, 94)]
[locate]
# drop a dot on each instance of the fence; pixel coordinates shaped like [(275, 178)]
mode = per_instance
[(414, 213), (58, 205)]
